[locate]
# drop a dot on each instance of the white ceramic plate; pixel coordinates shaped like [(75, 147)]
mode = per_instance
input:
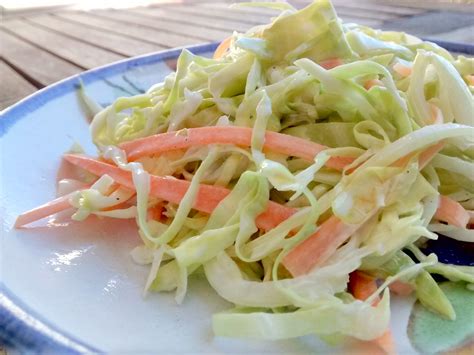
[(73, 287)]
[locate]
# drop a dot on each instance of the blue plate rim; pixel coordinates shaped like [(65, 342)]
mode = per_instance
[(13, 113), (20, 326)]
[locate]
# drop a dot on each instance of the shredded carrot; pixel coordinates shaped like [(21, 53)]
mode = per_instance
[(401, 288), (428, 154), (318, 247), (222, 48), (167, 188), (470, 79), (40, 212), (452, 212), (436, 114), (471, 217), (331, 63), (172, 190), (240, 136), (116, 207), (402, 69), (371, 83), (424, 158), (60, 204), (362, 286), (156, 212)]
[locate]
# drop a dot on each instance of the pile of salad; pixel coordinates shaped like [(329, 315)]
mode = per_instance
[(302, 169)]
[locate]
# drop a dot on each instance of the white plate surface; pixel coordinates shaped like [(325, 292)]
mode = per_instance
[(80, 277)]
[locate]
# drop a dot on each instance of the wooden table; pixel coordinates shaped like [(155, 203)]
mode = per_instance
[(42, 46)]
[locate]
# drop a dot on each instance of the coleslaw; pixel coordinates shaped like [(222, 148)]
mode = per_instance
[(301, 169)]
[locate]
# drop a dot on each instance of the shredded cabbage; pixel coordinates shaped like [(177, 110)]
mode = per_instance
[(305, 74)]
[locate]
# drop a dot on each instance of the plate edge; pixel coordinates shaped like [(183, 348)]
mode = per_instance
[(13, 312), (15, 112)]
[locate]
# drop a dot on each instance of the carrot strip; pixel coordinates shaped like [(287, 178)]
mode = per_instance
[(240, 136), (401, 288), (428, 154), (470, 79), (172, 190), (436, 114), (40, 212), (362, 286), (156, 212), (371, 83), (452, 212), (402, 69), (471, 217), (424, 158), (58, 205), (318, 247), (124, 204), (331, 63), (222, 48)]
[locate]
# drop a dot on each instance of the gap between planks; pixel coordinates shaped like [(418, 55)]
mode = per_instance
[(254, 17), (171, 15), (17, 85), (79, 53), (183, 29), (109, 41), (37, 65), (132, 30)]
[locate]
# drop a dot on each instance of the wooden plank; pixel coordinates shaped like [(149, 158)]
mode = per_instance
[(431, 23), (229, 14), (370, 5), (136, 31), (39, 66), (361, 17), (355, 11), (166, 26), (14, 86), (12, 12), (457, 5), (77, 52), (377, 6), (362, 21), (110, 41), (170, 14), (400, 7), (243, 9), (363, 14), (339, 4)]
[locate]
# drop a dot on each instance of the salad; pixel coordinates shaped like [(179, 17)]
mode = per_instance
[(302, 169)]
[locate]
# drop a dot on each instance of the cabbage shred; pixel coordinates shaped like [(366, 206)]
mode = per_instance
[(277, 77)]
